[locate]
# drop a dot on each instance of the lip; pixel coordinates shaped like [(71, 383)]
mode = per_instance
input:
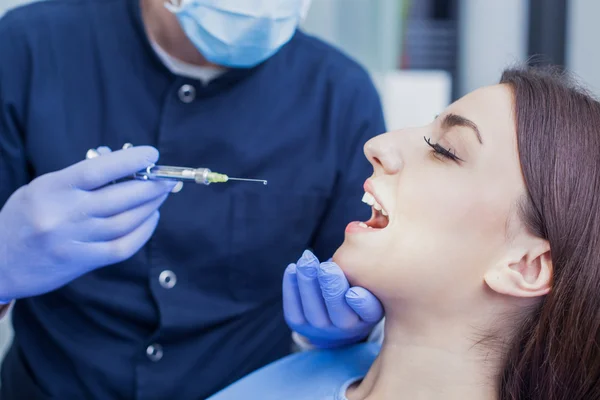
[(368, 187), (354, 227)]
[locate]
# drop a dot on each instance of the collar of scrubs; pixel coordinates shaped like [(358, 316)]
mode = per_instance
[(178, 67)]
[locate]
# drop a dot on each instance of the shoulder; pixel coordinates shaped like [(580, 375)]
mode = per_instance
[(51, 31), (47, 17), (317, 51), (38, 10), (46, 35), (338, 83), (322, 60)]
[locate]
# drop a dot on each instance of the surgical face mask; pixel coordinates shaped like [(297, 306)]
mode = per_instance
[(239, 33)]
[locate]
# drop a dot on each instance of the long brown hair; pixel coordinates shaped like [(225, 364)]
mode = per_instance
[(556, 354)]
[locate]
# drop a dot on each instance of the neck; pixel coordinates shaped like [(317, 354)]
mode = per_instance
[(164, 29), (427, 360)]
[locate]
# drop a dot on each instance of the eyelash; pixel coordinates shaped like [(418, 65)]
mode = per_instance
[(442, 151)]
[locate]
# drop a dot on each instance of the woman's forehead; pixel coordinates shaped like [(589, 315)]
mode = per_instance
[(491, 108)]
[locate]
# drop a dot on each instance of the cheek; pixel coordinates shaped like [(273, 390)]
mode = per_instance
[(441, 251), (466, 228), (440, 242)]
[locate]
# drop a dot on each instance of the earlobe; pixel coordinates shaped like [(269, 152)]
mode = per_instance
[(530, 276)]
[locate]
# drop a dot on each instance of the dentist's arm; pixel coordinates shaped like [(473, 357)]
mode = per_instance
[(319, 304), (65, 223)]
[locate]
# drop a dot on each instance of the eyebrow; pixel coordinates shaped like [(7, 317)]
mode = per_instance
[(451, 120)]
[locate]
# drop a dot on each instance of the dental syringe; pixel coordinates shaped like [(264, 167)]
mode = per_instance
[(184, 174), (202, 176)]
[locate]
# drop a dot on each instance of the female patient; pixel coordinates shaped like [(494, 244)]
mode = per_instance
[(484, 249)]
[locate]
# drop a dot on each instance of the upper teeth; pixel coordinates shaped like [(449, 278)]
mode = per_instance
[(370, 200)]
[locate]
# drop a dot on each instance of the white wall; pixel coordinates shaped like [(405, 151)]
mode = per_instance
[(583, 31), (492, 35), (412, 98), (370, 32), (367, 30)]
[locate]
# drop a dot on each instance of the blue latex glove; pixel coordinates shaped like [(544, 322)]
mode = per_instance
[(319, 304), (66, 223)]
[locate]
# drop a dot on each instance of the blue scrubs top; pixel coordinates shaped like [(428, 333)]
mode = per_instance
[(76, 74), (312, 375)]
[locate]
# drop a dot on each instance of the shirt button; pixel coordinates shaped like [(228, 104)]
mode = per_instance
[(167, 279), (154, 352), (187, 93)]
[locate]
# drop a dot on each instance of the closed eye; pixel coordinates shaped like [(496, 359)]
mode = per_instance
[(442, 151)]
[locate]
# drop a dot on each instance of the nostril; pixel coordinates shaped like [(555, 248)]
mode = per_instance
[(383, 154), (387, 163)]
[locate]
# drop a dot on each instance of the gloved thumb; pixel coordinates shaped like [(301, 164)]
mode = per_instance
[(365, 304)]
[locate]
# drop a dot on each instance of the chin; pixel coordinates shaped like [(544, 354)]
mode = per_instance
[(351, 260)]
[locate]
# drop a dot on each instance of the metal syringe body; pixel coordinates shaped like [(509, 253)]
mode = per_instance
[(166, 172)]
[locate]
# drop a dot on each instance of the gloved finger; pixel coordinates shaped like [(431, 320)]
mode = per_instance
[(292, 303), (123, 196), (313, 303), (103, 150), (334, 286), (111, 228), (99, 171), (365, 304), (99, 254)]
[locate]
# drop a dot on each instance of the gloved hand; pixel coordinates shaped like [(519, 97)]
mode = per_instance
[(66, 223), (319, 304)]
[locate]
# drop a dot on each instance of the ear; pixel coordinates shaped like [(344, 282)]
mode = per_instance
[(529, 274)]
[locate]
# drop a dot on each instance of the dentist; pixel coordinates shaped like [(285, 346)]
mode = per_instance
[(114, 300)]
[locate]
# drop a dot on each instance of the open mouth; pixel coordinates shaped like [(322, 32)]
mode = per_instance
[(379, 217)]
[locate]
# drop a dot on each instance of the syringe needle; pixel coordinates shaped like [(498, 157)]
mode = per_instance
[(248, 180)]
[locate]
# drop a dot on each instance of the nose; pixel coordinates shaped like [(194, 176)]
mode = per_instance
[(382, 154)]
